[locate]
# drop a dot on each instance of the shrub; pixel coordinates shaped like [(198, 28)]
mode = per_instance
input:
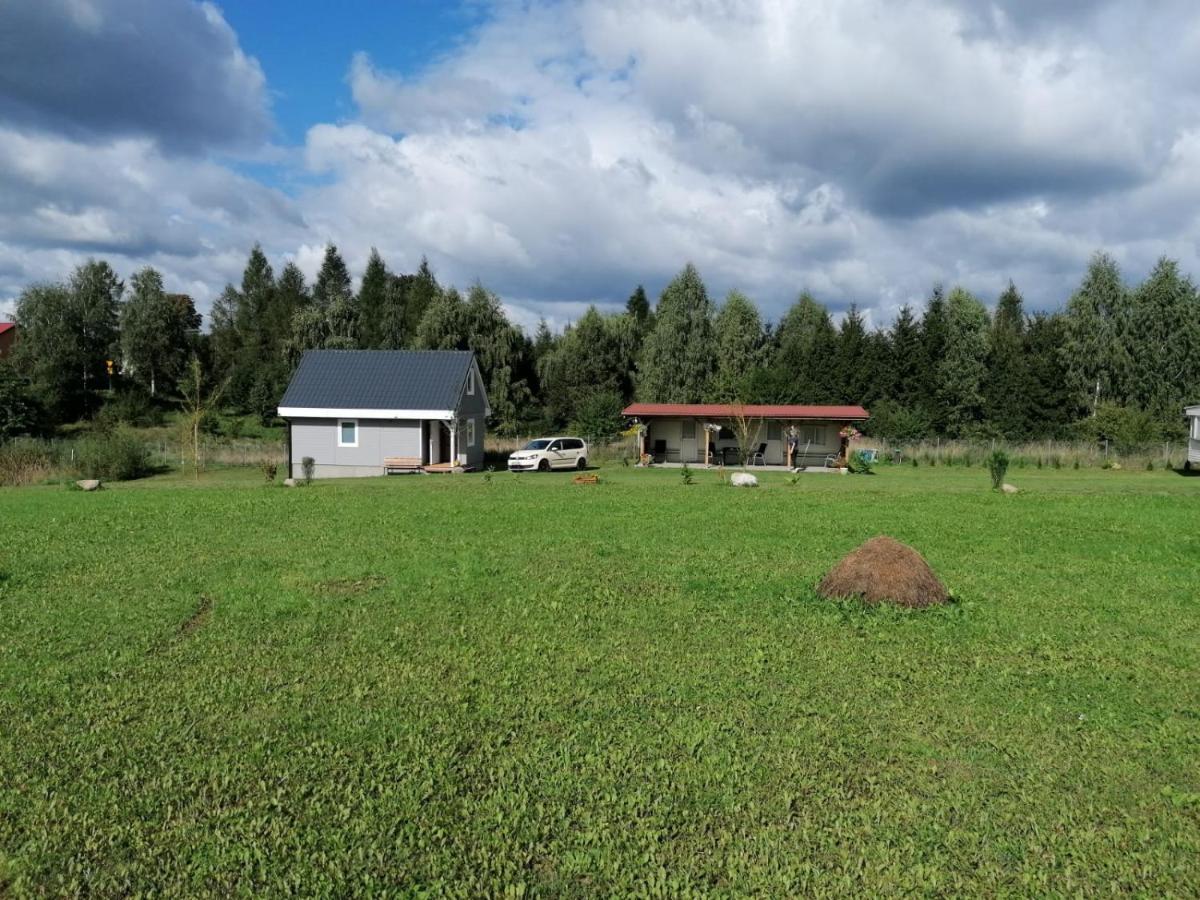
[(1076, 466), (25, 461), (688, 476), (997, 467), (308, 465), (117, 456), (269, 469), (598, 416), (20, 411), (913, 460), (129, 407), (860, 464)]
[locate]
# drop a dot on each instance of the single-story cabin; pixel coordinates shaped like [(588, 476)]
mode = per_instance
[(8, 338), (1193, 457), (707, 433), (371, 412)]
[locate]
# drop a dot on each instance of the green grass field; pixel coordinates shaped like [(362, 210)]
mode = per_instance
[(473, 687)]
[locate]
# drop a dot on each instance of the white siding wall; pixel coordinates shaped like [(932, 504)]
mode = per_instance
[(377, 440)]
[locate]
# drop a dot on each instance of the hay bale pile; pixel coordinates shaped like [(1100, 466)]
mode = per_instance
[(884, 570)]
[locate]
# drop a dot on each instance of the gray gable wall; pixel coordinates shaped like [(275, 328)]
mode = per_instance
[(379, 379)]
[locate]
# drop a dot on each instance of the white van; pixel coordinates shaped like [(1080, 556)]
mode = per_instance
[(544, 454)]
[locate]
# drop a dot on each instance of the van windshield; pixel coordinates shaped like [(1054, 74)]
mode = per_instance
[(540, 444)]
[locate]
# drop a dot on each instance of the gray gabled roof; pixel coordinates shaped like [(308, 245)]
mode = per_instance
[(379, 379)]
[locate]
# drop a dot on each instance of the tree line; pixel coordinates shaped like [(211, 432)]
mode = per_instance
[(1116, 358)]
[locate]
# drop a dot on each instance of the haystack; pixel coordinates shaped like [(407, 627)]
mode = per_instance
[(884, 570)]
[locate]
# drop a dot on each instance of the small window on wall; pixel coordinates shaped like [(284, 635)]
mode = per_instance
[(470, 432), (347, 432), (689, 430), (773, 433), (471, 382)]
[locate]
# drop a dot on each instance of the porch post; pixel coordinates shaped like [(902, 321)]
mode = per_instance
[(453, 425)]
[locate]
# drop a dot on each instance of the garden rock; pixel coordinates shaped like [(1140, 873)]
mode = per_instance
[(883, 570), (89, 484), (1010, 488), (743, 479), (289, 482)]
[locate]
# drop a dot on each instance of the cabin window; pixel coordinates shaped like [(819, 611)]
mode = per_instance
[(347, 432), (773, 431), (689, 430), (470, 432), (471, 382), (725, 434), (812, 434)]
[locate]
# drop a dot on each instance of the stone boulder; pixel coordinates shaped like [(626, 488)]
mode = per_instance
[(1010, 488), (89, 484), (883, 570), (289, 482), (743, 479)]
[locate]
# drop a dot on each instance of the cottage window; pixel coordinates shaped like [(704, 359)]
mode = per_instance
[(773, 432), (347, 432), (689, 430), (471, 382), (470, 432)]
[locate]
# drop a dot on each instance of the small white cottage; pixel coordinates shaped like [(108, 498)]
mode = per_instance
[(1193, 457), (371, 412)]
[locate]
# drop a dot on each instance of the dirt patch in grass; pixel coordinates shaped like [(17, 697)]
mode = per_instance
[(197, 620), (349, 587)]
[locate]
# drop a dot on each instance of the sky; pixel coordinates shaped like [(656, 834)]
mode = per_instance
[(563, 152)]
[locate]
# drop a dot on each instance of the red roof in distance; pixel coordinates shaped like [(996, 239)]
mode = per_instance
[(727, 410), (4, 326)]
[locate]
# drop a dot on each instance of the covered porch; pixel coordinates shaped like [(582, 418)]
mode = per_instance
[(786, 437)]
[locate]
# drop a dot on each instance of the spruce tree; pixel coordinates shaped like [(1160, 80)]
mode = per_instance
[(853, 368), (907, 360), (372, 302), (933, 347), (1051, 406), (638, 306), (1007, 383), (333, 281), (678, 356), (421, 290)]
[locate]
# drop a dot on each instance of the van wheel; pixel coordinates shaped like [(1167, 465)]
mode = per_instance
[(544, 465), (581, 464)]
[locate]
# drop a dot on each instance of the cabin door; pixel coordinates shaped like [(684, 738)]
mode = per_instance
[(688, 448)]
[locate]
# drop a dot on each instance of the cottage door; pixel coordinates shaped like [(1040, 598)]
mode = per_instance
[(689, 450)]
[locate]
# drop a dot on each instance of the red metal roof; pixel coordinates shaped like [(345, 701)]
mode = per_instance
[(4, 326), (727, 410)]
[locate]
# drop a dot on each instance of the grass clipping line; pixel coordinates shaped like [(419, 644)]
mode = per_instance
[(883, 570)]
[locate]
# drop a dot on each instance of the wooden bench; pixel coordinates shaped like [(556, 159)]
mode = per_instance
[(401, 464)]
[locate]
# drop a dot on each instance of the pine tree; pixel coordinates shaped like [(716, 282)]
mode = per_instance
[(1007, 382), (962, 366), (291, 295), (677, 357), (593, 356), (738, 334), (224, 338), (333, 281), (373, 301), (1096, 359)]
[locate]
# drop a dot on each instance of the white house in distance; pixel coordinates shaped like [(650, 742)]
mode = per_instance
[(1193, 457), (371, 412)]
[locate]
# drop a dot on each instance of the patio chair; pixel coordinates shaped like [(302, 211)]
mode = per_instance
[(760, 454)]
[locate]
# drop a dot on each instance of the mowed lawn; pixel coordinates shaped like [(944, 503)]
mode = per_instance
[(474, 687)]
